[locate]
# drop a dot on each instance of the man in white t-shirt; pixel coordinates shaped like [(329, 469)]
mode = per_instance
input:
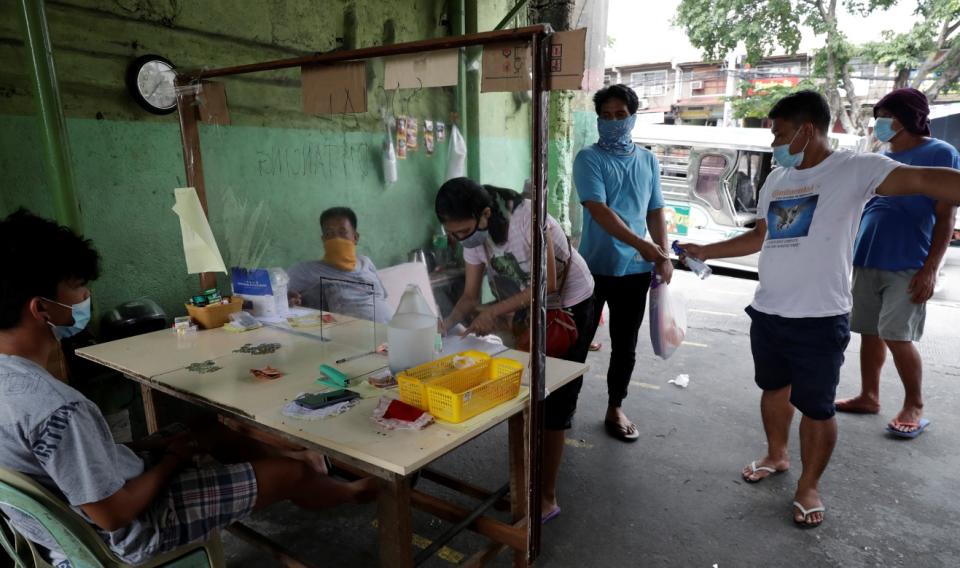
[(809, 212)]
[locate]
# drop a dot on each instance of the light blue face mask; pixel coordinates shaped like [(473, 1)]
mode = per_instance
[(783, 156), (883, 129), (81, 317), (476, 238)]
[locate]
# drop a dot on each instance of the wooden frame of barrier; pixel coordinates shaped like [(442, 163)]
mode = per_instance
[(526, 432)]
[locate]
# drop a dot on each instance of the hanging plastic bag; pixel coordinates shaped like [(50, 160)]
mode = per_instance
[(668, 319), (457, 161), (389, 161), (389, 154)]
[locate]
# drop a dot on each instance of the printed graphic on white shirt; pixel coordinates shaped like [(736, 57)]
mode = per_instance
[(791, 218)]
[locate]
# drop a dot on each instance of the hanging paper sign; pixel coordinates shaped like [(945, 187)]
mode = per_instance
[(334, 89)]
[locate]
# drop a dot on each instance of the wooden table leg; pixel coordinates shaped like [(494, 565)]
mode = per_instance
[(518, 477), (149, 409), (395, 523)]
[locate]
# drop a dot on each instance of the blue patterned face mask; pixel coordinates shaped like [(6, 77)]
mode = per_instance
[(615, 135)]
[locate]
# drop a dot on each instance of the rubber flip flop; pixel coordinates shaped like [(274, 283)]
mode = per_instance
[(616, 431), (754, 468), (920, 427), (806, 513), (550, 516)]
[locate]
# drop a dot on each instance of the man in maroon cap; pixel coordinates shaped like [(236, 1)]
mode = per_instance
[(899, 249)]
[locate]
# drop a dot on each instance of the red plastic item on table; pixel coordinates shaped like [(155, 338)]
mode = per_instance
[(399, 410)]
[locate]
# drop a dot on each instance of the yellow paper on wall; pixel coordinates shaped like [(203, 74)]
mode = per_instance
[(199, 247)]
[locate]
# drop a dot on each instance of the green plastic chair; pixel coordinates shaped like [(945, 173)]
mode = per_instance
[(79, 542)]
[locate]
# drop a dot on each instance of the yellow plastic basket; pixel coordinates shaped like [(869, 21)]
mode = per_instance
[(413, 382), (469, 392)]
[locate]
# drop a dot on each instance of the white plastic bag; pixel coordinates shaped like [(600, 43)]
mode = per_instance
[(457, 160), (668, 319), (389, 161)]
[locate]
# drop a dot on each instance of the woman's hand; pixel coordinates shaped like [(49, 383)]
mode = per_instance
[(483, 324)]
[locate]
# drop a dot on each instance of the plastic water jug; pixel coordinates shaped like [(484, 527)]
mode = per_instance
[(280, 282), (275, 305), (412, 331)]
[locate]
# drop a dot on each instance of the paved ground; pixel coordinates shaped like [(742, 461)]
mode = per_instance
[(675, 498)]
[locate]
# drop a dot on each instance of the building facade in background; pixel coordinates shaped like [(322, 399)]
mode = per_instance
[(700, 92)]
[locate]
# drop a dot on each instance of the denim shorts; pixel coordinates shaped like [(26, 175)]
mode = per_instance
[(804, 354)]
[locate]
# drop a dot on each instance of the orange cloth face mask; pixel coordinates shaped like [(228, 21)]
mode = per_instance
[(340, 254)]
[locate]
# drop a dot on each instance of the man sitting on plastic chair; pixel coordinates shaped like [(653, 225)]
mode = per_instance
[(140, 504), (342, 282)]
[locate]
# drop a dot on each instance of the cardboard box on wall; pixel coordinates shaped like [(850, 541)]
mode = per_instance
[(334, 89), (420, 70), (568, 59), (508, 67), (213, 103)]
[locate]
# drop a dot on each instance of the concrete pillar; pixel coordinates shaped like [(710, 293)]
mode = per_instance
[(561, 16)]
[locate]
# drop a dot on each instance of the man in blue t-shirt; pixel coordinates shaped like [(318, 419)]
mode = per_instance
[(619, 185), (898, 253)]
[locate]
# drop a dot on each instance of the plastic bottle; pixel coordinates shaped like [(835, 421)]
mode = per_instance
[(280, 282), (441, 252), (695, 265), (389, 161), (412, 331)]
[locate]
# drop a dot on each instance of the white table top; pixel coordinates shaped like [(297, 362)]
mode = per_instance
[(160, 359)]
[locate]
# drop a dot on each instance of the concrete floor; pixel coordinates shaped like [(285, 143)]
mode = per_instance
[(675, 498)]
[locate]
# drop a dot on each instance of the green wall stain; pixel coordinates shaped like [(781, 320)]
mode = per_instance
[(126, 173), (23, 183)]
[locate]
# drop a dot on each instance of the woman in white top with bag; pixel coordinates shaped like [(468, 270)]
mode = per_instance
[(493, 226)]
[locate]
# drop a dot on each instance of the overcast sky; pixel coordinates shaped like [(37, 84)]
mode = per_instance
[(643, 34)]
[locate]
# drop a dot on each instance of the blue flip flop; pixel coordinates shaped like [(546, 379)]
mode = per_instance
[(909, 435), (550, 516)]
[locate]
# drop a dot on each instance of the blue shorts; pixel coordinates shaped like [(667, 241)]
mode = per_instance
[(802, 353)]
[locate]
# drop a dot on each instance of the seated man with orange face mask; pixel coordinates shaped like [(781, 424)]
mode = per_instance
[(343, 282)]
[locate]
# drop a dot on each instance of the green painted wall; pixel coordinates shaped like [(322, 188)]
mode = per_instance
[(505, 119), (22, 176), (584, 134), (127, 162)]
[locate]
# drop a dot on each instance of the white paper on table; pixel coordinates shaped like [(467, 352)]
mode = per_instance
[(453, 343), (199, 246), (293, 312)]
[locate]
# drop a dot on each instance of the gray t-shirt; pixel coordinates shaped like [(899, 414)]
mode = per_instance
[(55, 435), (359, 293)]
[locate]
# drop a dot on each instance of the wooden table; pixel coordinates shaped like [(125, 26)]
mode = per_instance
[(159, 361)]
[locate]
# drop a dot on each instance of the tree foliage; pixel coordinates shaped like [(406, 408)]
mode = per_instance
[(931, 48), (758, 104), (927, 56)]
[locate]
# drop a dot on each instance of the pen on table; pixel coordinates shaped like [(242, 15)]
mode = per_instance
[(352, 357)]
